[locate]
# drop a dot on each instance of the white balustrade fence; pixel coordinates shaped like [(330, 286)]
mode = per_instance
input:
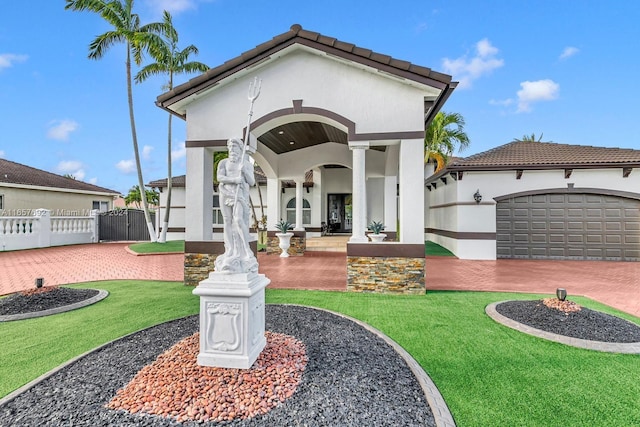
[(41, 230)]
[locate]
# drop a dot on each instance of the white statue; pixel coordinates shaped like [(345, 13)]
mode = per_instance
[(235, 176)]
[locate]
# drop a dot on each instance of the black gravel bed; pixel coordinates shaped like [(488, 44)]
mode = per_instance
[(352, 378), (58, 297), (585, 324)]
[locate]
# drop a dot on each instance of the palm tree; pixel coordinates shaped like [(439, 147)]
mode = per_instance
[(127, 30), (444, 134), (135, 197), (529, 138), (170, 61)]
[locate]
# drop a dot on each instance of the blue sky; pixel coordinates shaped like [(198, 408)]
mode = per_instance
[(567, 69)]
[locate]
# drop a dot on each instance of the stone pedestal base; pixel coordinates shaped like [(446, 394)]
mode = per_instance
[(231, 319)]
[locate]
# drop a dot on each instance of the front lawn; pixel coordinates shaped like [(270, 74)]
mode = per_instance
[(155, 247), (487, 373)]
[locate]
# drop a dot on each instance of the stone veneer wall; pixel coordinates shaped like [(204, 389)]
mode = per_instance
[(298, 243), (386, 275), (386, 267)]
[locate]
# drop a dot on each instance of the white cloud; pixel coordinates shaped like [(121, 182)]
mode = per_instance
[(568, 52), (93, 181), (72, 167), (7, 60), (127, 167), (540, 90), (60, 129), (501, 102), (180, 152), (466, 70), (146, 152), (2, 153), (172, 6)]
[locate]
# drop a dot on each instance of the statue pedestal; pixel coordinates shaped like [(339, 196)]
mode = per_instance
[(231, 319)]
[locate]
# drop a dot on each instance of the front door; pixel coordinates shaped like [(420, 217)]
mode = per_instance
[(339, 213)]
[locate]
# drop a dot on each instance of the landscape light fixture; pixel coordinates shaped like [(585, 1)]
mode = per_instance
[(477, 196), (39, 282), (561, 293)]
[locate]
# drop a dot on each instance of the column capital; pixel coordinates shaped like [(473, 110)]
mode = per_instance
[(360, 145)]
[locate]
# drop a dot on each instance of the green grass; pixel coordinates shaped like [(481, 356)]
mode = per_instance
[(154, 247), (434, 249), (34, 346), (488, 374)]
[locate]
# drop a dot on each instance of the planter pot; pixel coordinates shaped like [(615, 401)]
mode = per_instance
[(377, 238), (285, 243)]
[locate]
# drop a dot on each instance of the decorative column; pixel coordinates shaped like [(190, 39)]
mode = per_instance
[(359, 193), (299, 222), (411, 174), (199, 193)]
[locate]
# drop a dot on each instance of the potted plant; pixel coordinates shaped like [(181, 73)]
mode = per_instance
[(376, 227), (284, 237)]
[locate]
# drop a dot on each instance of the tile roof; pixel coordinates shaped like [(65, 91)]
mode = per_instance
[(525, 153), (544, 155), (16, 173), (330, 45), (176, 181)]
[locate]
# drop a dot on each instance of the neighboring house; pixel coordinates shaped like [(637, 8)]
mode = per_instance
[(24, 189), (538, 200)]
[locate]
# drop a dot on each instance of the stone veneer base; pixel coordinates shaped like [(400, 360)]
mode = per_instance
[(397, 275), (197, 267)]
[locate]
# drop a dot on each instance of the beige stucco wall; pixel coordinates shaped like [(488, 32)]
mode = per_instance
[(21, 201)]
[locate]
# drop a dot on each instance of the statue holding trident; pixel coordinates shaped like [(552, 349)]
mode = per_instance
[(232, 315), (235, 175)]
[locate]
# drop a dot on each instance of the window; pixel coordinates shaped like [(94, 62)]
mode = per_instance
[(1, 201), (100, 205), (306, 211), (217, 213)]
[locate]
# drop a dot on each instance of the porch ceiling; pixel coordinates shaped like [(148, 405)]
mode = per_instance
[(303, 135), (298, 135)]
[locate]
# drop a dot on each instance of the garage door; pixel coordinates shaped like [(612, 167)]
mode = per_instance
[(568, 226)]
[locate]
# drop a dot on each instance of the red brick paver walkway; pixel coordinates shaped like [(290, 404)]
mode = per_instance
[(613, 283), (83, 263), (616, 284)]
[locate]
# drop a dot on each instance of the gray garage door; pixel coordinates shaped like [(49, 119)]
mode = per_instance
[(568, 226)]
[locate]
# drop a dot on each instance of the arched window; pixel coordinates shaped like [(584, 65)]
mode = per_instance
[(306, 212)]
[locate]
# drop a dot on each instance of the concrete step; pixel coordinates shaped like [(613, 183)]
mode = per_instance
[(328, 244)]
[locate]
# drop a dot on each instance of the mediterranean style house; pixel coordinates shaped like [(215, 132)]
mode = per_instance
[(24, 189), (353, 117)]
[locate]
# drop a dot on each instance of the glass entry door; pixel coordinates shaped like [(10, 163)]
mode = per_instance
[(339, 213)]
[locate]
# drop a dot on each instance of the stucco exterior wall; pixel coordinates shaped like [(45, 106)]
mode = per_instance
[(60, 203), (317, 79), (451, 207)]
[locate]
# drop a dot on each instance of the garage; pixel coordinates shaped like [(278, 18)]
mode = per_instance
[(574, 226)]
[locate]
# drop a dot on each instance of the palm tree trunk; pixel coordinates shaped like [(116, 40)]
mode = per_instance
[(145, 206)]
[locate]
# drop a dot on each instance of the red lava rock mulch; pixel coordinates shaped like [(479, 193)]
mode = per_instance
[(565, 306), (176, 386)]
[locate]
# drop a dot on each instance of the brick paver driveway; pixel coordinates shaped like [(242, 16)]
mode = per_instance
[(613, 283)]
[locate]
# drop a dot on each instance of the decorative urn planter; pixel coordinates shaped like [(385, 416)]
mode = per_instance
[(284, 237), (377, 238), (285, 243)]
